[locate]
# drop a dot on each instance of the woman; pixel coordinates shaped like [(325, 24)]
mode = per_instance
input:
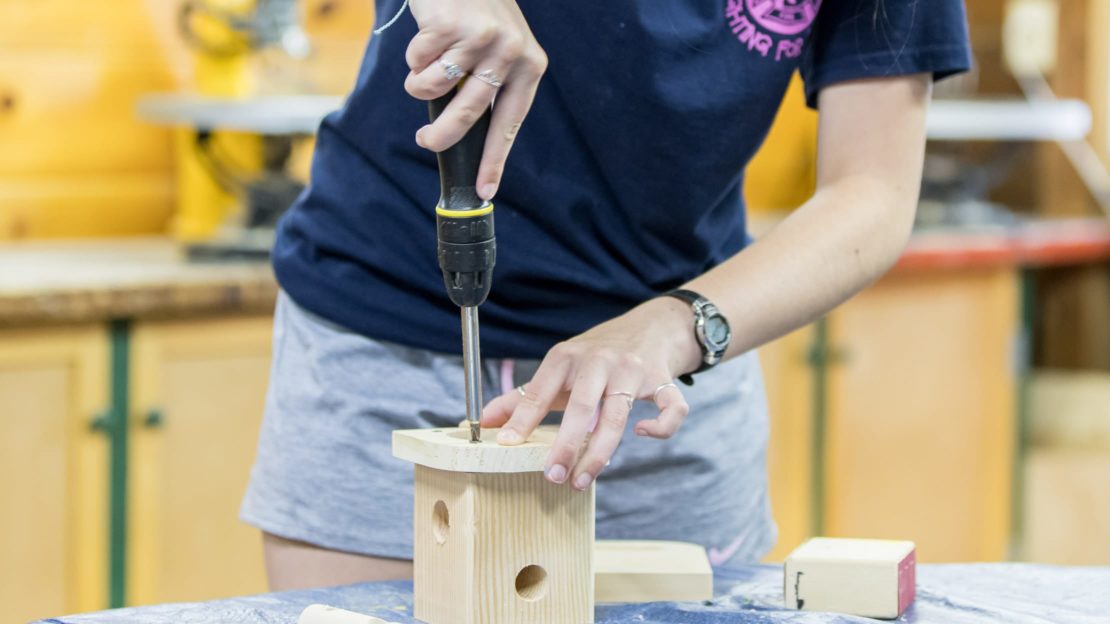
[(625, 183)]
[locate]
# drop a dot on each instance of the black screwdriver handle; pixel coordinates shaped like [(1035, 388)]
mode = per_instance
[(458, 164), (466, 247)]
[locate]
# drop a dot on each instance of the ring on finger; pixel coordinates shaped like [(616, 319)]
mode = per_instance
[(521, 391), (451, 70), (655, 395), (489, 77), (628, 397)]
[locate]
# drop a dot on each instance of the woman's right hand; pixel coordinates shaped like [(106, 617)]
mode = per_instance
[(477, 36)]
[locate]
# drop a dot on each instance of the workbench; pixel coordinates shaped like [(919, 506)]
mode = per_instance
[(104, 344), (947, 594)]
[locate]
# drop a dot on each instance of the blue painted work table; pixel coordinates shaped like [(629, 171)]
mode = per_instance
[(946, 594)]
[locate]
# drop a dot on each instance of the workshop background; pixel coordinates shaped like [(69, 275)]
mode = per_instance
[(147, 147)]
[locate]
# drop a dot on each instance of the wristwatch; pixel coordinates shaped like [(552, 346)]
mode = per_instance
[(710, 328)]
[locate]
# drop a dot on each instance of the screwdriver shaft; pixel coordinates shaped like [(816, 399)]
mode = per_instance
[(472, 369)]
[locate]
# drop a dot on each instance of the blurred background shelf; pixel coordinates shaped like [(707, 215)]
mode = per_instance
[(270, 115), (948, 120), (1008, 120)]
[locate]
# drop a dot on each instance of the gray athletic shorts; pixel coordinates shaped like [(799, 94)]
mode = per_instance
[(324, 473)]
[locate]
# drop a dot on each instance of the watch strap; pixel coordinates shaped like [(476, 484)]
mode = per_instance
[(688, 296), (691, 298)]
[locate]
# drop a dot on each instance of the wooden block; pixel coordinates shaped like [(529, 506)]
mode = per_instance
[(649, 571), (494, 541), (870, 578)]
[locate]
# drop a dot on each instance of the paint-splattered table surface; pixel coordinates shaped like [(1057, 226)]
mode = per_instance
[(946, 594)]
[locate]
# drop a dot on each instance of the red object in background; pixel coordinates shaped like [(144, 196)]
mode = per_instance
[(1039, 243)]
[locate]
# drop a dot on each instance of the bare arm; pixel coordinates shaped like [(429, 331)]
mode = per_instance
[(871, 143), (870, 150)]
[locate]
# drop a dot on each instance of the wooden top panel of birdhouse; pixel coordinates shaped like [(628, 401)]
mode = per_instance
[(451, 449)]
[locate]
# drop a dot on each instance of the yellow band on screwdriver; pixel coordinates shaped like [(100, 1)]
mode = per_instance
[(462, 214)]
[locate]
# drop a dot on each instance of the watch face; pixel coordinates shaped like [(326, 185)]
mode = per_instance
[(717, 332)]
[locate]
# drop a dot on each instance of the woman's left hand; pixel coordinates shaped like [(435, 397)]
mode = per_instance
[(635, 355)]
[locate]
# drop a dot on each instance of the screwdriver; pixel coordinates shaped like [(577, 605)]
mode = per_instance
[(466, 246)]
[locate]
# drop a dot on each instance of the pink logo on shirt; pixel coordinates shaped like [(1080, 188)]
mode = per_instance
[(772, 26)]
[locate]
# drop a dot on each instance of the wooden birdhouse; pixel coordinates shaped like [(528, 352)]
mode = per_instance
[(494, 542)]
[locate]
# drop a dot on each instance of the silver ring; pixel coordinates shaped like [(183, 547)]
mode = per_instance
[(628, 397), (451, 70), (521, 390), (655, 395), (490, 78)]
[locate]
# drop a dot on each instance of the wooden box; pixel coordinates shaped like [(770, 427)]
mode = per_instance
[(494, 542)]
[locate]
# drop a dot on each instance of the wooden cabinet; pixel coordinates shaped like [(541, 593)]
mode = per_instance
[(921, 413), (198, 389), (53, 520), (910, 414), (788, 379), (189, 399)]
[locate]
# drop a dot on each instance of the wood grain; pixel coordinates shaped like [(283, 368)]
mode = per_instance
[(61, 205), (650, 571), (451, 449), (514, 548), (106, 24), (73, 112)]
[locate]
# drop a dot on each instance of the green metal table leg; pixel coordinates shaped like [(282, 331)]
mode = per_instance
[(1023, 358), (819, 363), (120, 333)]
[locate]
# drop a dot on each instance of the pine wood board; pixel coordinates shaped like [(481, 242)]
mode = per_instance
[(495, 548), (451, 449), (651, 571)]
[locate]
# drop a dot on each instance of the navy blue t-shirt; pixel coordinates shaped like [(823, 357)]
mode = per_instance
[(625, 179)]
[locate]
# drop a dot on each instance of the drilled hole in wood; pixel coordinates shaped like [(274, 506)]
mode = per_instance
[(441, 522), (531, 583)]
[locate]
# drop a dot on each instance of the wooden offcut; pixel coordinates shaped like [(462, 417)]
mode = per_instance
[(865, 577), (650, 571), (495, 542)]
